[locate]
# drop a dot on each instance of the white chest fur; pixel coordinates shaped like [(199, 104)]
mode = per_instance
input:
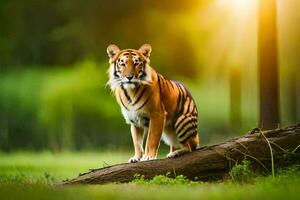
[(138, 118)]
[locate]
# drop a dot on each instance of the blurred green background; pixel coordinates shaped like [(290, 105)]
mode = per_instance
[(53, 64)]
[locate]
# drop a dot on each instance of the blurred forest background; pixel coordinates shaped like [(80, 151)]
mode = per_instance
[(53, 65)]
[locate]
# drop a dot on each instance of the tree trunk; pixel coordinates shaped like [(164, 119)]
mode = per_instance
[(208, 163), (268, 69)]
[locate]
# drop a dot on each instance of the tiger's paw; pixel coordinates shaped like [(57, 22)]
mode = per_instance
[(134, 159), (145, 158), (173, 154), (177, 153)]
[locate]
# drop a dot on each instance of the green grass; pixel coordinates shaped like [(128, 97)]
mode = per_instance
[(58, 165), (29, 176)]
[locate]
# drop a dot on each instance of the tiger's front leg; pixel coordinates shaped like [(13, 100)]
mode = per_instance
[(137, 137), (156, 126)]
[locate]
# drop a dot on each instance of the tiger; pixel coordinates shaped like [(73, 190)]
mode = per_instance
[(163, 109)]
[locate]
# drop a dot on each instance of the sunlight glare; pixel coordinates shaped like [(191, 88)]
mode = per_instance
[(233, 36), (237, 6)]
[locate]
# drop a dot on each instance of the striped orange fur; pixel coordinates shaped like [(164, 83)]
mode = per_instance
[(151, 104)]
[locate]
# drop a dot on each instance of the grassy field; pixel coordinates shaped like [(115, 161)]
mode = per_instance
[(31, 176)]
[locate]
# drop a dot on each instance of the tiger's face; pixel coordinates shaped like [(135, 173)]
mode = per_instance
[(129, 67)]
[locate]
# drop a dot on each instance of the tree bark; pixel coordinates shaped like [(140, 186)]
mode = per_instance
[(211, 162), (268, 67)]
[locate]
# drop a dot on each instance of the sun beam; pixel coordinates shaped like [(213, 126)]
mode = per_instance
[(238, 6), (233, 36)]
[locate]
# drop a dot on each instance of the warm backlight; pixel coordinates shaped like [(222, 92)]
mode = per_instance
[(233, 41), (238, 6)]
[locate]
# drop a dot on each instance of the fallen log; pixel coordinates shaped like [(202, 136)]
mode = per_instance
[(211, 162)]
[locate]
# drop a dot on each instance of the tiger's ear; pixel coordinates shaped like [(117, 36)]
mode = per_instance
[(146, 49), (112, 50)]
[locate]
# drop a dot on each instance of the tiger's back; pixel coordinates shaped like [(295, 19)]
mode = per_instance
[(181, 109)]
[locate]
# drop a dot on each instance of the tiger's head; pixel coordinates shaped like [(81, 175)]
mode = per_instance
[(129, 67)]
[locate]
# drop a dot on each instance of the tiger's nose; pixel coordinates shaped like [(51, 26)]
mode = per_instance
[(129, 77)]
